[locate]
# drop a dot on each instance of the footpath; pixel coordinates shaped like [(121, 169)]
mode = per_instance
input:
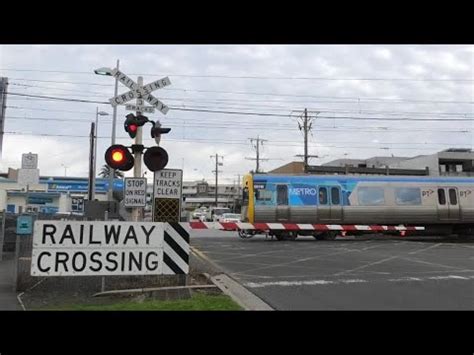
[(8, 300)]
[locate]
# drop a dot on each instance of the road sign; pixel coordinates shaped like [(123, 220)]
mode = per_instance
[(139, 92), (29, 161), (167, 195), (135, 192), (24, 224), (28, 176), (124, 79), (141, 108), (168, 183), (157, 103), (82, 248)]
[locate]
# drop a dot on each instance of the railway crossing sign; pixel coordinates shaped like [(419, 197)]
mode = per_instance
[(140, 92), (148, 109)]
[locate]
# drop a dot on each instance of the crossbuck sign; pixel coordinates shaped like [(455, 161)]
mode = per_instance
[(140, 93)]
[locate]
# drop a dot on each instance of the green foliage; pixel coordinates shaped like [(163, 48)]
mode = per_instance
[(105, 172), (199, 302)]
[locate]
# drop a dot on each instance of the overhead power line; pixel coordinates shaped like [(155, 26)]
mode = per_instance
[(252, 76), (223, 142), (357, 99)]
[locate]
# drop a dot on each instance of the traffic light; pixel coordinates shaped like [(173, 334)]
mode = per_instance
[(155, 158), (118, 157), (157, 131), (133, 122)]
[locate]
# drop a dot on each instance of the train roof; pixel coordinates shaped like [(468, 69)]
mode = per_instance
[(281, 177)]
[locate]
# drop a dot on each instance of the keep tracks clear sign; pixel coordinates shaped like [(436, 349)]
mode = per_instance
[(82, 248), (167, 192)]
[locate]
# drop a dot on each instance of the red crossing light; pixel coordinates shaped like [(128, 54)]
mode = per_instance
[(118, 157)]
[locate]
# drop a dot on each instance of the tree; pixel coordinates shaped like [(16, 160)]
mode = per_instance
[(105, 172)]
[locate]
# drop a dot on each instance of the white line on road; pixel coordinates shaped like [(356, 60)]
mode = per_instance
[(351, 281), (421, 250)]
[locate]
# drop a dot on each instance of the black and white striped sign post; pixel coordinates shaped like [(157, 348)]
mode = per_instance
[(175, 250)]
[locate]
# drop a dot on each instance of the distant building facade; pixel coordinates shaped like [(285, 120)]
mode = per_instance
[(449, 162)]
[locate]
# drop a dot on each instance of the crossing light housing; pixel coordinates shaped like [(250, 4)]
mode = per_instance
[(157, 131), (132, 123), (118, 157), (155, 158)]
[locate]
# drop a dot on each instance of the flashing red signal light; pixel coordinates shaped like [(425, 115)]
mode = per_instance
[(118, 157), (132, 123)]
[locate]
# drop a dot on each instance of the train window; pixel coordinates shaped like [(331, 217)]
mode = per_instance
[(263, 195), (335, 199), (408, 196), (453, 199), (282, 195), (441, 197), (323, 196), (370, 196)]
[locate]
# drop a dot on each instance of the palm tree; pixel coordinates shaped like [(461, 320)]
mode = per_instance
[(105, 172)]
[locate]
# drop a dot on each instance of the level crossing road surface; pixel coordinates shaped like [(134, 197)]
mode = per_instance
[(362, 274)]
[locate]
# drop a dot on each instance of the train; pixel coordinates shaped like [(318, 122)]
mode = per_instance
[(443, 205)]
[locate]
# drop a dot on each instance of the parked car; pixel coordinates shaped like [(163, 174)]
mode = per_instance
[(215, 212), (229, 217)]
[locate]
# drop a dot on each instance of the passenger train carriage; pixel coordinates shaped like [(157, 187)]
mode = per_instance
[(442, 204)]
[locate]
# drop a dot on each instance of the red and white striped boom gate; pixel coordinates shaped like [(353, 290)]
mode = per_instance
[(264, 227)]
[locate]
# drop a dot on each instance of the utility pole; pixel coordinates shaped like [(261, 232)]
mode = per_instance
[(114, 123), (91, 190), (259, 142), (305, 126), (217, 172), (137, 168)]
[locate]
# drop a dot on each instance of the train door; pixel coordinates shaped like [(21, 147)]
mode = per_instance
[(336, 204), (324, 207), (282, 208), (453, 203), (448, 204)]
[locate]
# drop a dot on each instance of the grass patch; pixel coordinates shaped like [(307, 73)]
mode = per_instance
[(198, 302)]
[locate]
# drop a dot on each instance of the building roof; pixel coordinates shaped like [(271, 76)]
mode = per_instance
[(295, 167)]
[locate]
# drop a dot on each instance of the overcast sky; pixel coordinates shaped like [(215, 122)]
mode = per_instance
[(425, 83)]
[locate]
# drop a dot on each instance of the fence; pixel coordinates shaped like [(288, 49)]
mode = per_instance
[(46, 287)]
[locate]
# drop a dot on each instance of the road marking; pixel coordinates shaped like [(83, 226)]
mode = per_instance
[(366, 265), (351, 281), (448, 277), (406, 279), (429, 263), (430, 247)]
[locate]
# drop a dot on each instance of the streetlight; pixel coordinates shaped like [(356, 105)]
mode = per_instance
[(97, 114), (65, 169), (108, 72)]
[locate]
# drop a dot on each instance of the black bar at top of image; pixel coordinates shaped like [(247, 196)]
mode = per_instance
[(388, 24)]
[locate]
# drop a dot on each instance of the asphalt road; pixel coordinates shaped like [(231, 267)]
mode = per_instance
[(370, 274)]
